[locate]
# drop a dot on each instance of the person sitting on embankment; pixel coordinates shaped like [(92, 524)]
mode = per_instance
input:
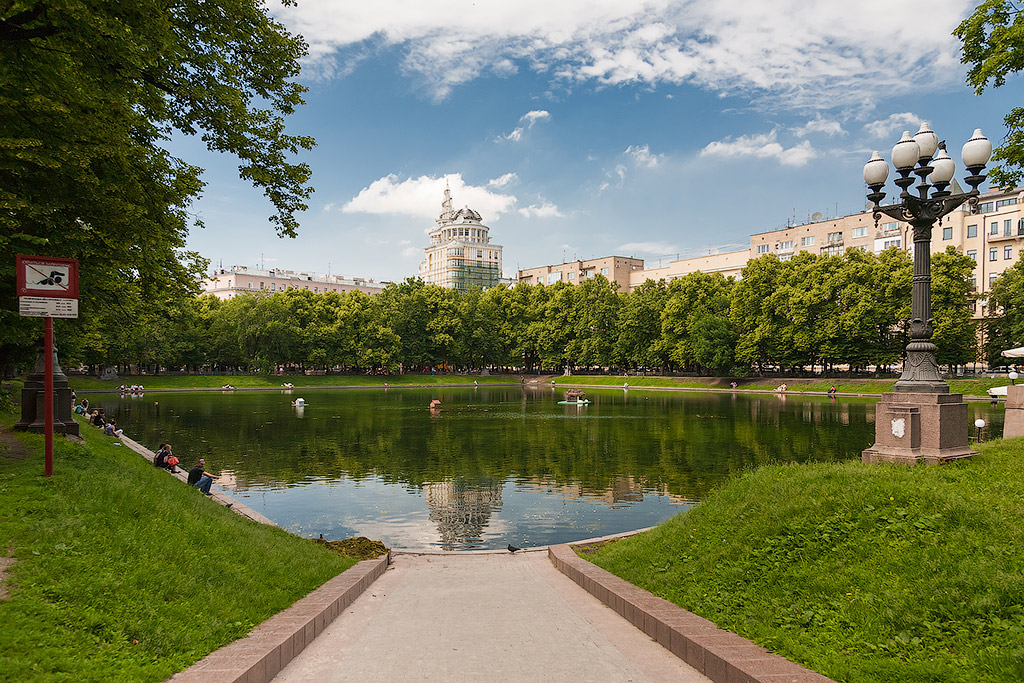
[(200, 478)]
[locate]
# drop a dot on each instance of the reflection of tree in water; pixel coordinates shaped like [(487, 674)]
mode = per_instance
[(462, 510)]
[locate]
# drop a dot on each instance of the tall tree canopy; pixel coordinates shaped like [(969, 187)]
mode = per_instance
[(90, 93), (993, 46)]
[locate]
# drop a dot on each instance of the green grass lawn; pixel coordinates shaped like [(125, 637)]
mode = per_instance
[(124, 573), (860, 572), (967, 387), (80, 383)]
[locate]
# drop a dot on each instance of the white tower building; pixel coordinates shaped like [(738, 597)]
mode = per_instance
[(460, 255)]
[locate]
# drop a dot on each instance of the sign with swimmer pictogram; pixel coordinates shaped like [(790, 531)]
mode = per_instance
[(50, 277)]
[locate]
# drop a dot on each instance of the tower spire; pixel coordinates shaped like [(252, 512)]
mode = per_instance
[(446, 205)]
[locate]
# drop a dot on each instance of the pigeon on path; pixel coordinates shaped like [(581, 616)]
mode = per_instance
[(512, 548)]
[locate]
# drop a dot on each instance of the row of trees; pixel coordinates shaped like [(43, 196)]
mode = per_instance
[(812, 310)]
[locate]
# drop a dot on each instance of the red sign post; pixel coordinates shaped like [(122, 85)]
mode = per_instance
[(47, 288)]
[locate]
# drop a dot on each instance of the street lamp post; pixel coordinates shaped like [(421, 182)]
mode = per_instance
[(921, 398)]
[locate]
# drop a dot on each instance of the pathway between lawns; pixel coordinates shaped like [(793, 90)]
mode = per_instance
[(473, 617)]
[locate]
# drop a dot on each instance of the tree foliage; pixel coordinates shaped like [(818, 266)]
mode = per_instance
[(993, 46), (91, 92)]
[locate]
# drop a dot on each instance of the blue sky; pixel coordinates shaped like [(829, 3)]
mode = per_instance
[(586, 128)]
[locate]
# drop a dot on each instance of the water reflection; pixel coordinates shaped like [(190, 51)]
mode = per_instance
[(495, 465)]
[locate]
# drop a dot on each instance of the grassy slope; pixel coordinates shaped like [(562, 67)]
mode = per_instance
[(80, 383), (125, 574), (968, 387), (862, 573)]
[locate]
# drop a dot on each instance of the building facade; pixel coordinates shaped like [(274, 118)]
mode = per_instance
[(618, 269), (993, 237), (227, 284), (460, 255)]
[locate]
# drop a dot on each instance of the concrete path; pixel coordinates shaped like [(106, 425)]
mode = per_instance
[(473, 617)]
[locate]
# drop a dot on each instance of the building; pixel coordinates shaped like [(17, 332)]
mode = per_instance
[(728, 263), (226, 284), (460, 255), (993, 237), (618, 269)]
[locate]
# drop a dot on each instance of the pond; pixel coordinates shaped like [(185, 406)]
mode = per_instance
[(493, 466)]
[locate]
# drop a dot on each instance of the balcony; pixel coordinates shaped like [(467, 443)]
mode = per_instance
[(1003, 236)]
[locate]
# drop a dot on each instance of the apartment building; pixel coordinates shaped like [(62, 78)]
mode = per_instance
[(993, 237), (227, 284), (460, 255), (728, 263), (618, 269)]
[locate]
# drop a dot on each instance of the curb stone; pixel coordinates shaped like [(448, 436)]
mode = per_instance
[(722, 656), (262, 654)]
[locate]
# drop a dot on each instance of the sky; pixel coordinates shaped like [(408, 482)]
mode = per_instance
[(587, 128)]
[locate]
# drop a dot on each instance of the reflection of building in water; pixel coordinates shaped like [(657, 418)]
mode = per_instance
[(462, 510), (624, 490)]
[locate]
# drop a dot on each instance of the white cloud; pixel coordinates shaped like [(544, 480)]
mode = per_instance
[(544, 210), (503, 181), (328, 207), (421, 197), (891, 126), (529, 118), (762, 146), (796, 53), (820, 125), (643, 157)]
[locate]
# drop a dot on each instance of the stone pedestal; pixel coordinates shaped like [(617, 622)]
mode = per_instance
[(33, 400), (1014, 423), (913, 427)]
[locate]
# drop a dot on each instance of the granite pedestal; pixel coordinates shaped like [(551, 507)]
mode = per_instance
[(912, 428)]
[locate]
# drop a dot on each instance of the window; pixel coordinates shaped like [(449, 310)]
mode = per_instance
[(889, 227), (784, 246), (1008, 228), (604, 271), (860, 232), (974, 284), (554, 277), (572, 276), (947, 232), (787, 257), (250, 285), (886, 244), (985, 208), (994, 228), (992, 278), (974, 306), (455, 252), (972, 254), (1007, 252), (835, 237), (762, 249), (1006, 202), (261, 285), (972, 230), (833, 250), (993, 253), (479, 253), (807, 241), (273, 286)]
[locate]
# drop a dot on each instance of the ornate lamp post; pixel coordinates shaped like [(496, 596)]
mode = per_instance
[(924, 418)]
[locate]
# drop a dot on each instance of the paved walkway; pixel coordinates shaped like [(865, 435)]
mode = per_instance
[(473, 617)]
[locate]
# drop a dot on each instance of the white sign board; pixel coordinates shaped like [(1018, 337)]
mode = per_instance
[(45, 307)]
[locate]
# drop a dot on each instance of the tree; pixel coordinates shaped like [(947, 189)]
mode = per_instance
[(639, 329), (993, 45), (955, 333), (1004, 326), (92, 91)]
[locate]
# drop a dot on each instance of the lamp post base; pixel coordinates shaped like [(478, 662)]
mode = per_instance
[(917, 427)]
